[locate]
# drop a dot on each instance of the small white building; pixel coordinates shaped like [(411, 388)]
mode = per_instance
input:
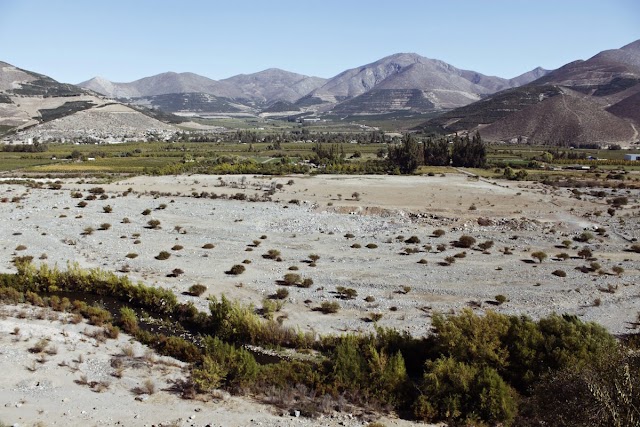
[(632, 157)]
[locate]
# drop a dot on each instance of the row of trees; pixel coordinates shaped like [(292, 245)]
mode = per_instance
[(36, 147), (276, 138), (457, 151)]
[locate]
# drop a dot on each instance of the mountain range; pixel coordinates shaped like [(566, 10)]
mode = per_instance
[(404, 81), (583, 102)]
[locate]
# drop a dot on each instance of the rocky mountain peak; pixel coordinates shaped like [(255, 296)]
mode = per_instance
[(633, 47)]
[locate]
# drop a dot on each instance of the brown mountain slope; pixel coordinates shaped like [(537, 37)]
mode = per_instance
[(273, 84), (581, 102), (628, 107), (566, 119), (490, 109), (407, 81), (607, 72)]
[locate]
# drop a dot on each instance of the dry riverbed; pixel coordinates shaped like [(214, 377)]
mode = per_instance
[(400, 282)]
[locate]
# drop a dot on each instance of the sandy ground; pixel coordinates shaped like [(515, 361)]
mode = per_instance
[(524, 217)]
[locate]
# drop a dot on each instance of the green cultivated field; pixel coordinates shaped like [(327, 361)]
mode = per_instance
[(178, 157), (12, 164), (133, 165)]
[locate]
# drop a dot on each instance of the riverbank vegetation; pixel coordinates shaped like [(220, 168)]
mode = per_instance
[(472, 370)]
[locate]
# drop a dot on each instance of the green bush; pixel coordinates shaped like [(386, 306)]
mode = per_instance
[(236, 270), (486, 245), (179, 348), (375, 317), (96, 190), (197, 289), (559, 273), (96, 315), (11, 295), (111, 331), (346, 293), (307, 282), (282, 293), (269, 307), (24, 259), (128, 320), (465, 241), (291, 279), (585, 253), (328, 307), (454, 390), (583, 237), (272, 254), (539, 255), (618, 270), (235, 367), (209, 376)]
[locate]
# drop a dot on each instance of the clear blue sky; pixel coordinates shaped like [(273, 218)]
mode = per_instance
[(75, 40)]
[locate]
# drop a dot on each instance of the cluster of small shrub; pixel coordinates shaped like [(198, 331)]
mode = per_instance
[(473, 370)]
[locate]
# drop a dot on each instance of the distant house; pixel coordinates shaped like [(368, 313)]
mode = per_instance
[(91, 159), (632, 157)]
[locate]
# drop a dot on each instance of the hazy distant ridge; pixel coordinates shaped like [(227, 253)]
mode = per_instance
[(415, 82)]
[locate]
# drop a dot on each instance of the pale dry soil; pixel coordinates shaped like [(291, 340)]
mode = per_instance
[(524, 217), (72, 382)]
